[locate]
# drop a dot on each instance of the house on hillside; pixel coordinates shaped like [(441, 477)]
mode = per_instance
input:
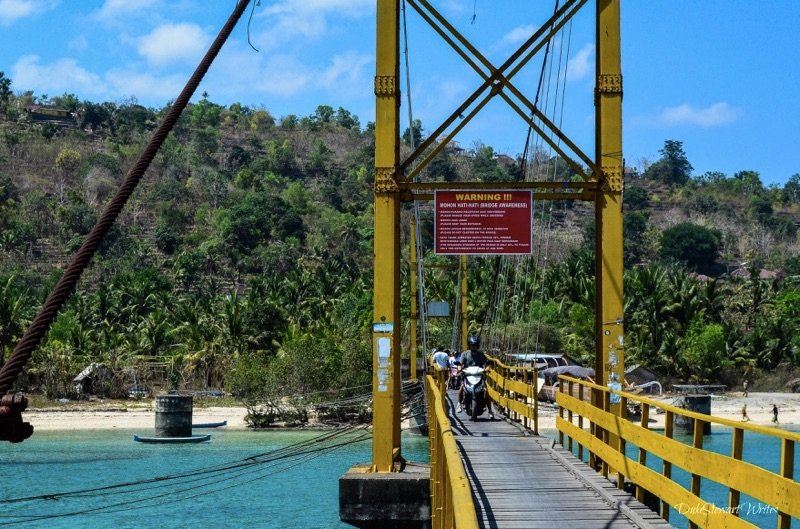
[(744, 273), (50, 114)]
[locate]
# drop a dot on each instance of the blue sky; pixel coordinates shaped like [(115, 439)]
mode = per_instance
[(719, 75)]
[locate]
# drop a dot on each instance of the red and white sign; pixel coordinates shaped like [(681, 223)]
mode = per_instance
[(483, 222)]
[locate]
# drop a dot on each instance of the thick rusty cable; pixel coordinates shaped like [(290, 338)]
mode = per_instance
[(65, 286)]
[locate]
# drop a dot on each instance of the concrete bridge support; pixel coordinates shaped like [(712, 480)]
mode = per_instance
[(393, 500)]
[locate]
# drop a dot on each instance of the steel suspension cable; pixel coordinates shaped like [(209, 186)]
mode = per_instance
[(549, 233), (66, 284), (521, 275), (422, 308)]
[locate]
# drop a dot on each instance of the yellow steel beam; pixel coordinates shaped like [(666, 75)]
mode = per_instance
[(494, 82), (610, 359), (459, 44), (451, 186), (386, 278), (586, 191)]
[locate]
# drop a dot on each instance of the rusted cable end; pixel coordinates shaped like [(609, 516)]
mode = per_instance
[(12, 428)]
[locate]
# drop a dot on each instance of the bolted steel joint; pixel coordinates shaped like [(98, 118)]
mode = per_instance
[(385, 181), (12, 428), (385, 85), (612, 179), (609, 83)]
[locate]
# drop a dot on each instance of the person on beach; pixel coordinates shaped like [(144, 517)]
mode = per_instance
[(745, 385), (775, 413), (745, 418)]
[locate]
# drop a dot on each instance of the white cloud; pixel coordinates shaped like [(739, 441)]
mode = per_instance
[(308, 18), (716, 114), (64, 75), (518, 35), (123, 83), (346, 69), (115, 9), (171, 43), (581, 64), (283, 75), (79, 43), (345, 7), (13, 10)]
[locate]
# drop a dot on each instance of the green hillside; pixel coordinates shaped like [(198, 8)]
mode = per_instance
[(243, 261)]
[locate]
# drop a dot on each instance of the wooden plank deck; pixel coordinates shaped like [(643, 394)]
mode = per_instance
[(522, 481)]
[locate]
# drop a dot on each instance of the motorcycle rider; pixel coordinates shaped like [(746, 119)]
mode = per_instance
[(473, 356)]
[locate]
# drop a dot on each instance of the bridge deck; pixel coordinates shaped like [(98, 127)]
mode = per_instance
[(521, 481)]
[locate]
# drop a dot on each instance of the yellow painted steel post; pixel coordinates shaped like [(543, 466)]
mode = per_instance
[(412, 263), (610, 359), (386, 278), (464, 301)]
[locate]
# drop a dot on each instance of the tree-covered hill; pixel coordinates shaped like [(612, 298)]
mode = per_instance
[(244, 260)]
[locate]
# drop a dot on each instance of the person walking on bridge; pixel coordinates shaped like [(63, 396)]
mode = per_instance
[(473, 356), (440, 358)]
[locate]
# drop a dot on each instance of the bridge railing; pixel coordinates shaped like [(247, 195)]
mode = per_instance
[(514, 389), (451, 494), (605, 435)]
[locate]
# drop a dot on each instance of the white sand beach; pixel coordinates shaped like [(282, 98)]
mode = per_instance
[(98, 415)]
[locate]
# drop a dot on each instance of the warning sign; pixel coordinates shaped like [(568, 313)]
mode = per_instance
[(483, 222)]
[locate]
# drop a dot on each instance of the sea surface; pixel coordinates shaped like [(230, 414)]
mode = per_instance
[(240, 479), (760, 450)]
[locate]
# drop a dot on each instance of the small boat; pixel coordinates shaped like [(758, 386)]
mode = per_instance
[(172, 440), (210, 424)]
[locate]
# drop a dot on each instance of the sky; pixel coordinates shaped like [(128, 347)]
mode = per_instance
[(720, 76)]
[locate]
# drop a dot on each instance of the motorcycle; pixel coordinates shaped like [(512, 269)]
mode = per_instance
[(474, 391), (454, 378)]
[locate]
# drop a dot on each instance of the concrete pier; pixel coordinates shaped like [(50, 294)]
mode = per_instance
[(697, 404), (396, 500), (173, 416)]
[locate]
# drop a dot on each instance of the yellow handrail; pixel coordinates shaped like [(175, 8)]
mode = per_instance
[(451, 494), (608, 434), (514, 389)]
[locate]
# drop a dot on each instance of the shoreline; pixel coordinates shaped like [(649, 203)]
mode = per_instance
[(107, 418), (109, 415)]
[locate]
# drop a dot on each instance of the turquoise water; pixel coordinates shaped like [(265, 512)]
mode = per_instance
[(760, 450), (292, 483)]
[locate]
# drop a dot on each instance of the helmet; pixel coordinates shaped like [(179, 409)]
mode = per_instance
[(473, 339)]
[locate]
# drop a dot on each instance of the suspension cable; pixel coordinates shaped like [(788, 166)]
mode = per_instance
[(518, 288), (66, 285), (422, 306), (549, 232)]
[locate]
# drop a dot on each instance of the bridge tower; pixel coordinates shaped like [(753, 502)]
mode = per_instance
[(603, 175)]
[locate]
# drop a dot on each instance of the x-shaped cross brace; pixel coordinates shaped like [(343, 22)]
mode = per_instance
[(495, 81)]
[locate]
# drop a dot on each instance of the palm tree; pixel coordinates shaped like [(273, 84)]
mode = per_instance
[(14, 311)]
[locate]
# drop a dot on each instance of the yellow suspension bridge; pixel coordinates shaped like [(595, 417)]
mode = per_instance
[(605, 470), (494, 474)]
